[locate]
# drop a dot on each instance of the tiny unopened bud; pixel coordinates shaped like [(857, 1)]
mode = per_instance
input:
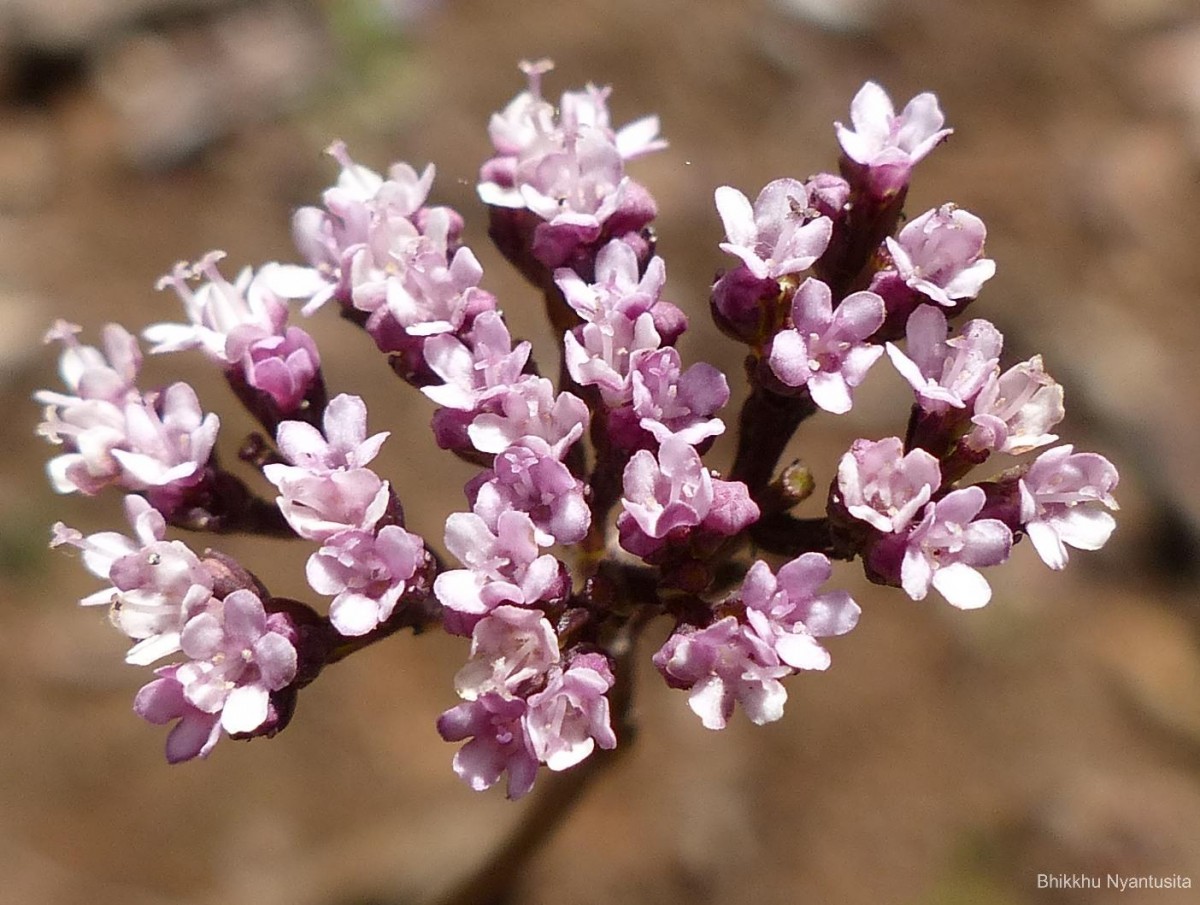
[(797, 483), (229, 575)]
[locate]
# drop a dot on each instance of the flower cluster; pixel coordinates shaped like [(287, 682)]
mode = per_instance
[(592, 512), (243, 327), (557, 184), (240, 660), (154, 443)]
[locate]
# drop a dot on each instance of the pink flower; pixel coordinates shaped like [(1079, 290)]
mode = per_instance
[(509, 647), (344, 444), (568, 718), (946, 373), (603, 354), (432, 291), (529, 408), (167, 444), (218, 309), (889, 146), (358, 210), (499, 743), (156, 585), (787, 612), (318, 506), (158, 443), (568, 170), (328, 489), (721, 665), (940, 254), (90, 374), (238, 656), (824, 349), (671, 402), (163, 700), (476, 368), (528, 477), (502, 566), (1015, 410), (946, 547), (619, 286), (285, 367), (672, 490), (366, 573), (779, 235), (878, 483), (1059, 494)]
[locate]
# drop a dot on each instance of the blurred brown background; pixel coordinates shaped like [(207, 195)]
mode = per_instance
[(947, 757)]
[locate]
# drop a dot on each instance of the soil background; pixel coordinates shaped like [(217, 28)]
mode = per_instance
[(947, 757)]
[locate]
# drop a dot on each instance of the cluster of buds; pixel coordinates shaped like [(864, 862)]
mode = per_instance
[(593, 512)]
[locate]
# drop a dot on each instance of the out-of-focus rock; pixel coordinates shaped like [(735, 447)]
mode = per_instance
[(165, 97), (272, 53), (70, 25), (175, 92), (834, 15)]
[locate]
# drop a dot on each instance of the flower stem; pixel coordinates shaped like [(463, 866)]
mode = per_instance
[(765, 426)]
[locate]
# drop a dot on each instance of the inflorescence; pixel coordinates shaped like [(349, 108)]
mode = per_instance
[(593, 512)]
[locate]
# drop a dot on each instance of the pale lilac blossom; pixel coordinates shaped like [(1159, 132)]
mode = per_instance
[(527, 134), (237, 655), (318, 506), (603, 354), (477, 369), (356, 209), (502, 565), (946, 373), (1015, 411), (1061, 498), (163, 700), (159, 443), (668, 491), (723, 665), (569, 718), (619, 287), (568, 170), (509, 647), (366, 573), (285, 367), (826, 349), (499, 743), (671, 402), (940, 255), (883, 486), (528, 477), (218, 310), (168, 443), (947, 547), (788, 612), (433, 294), (889, 146), (529, 408), (344, 445), (780, 235), (327, 489), (92, 374), (156, 584)]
